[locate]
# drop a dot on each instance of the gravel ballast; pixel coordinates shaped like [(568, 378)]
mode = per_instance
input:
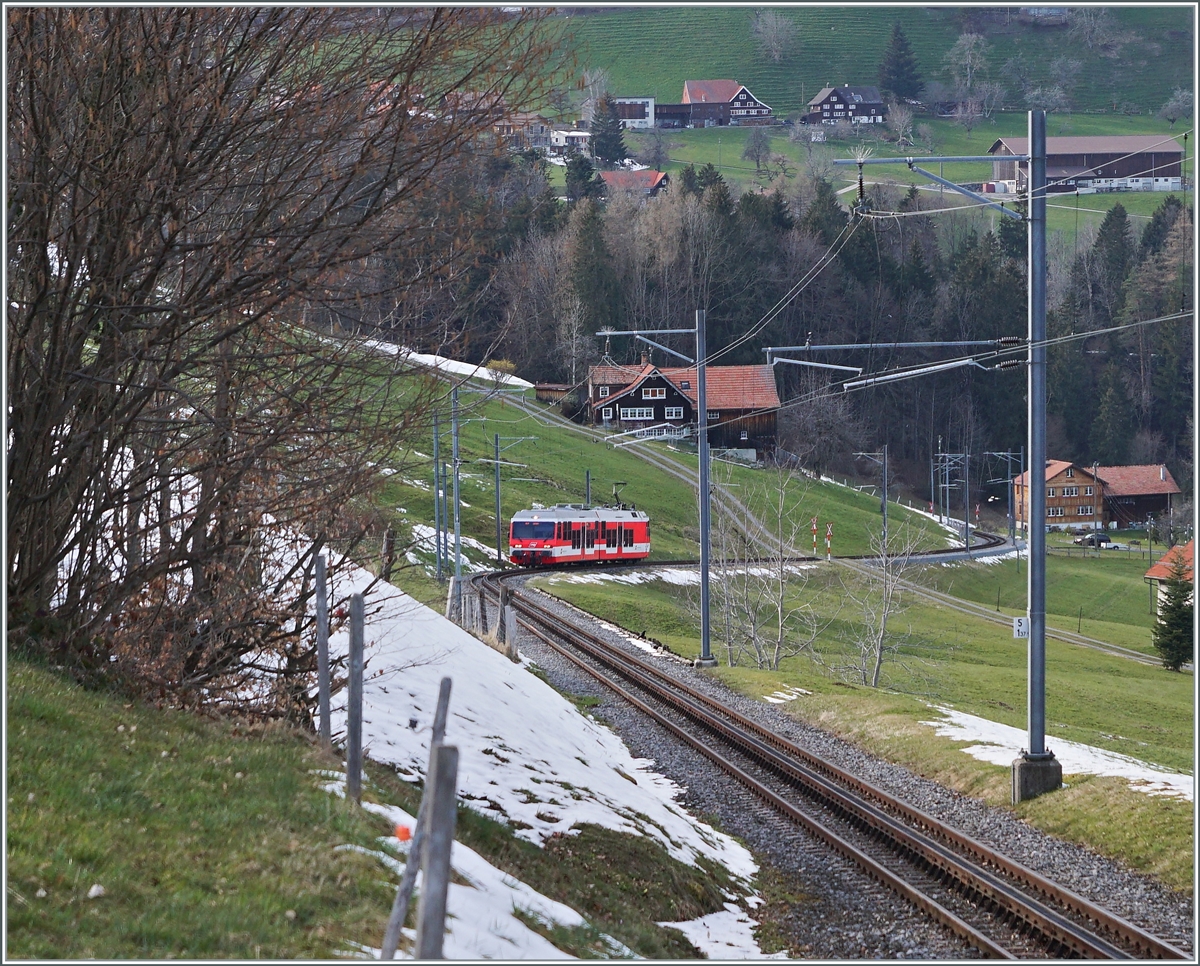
[(834, 909)]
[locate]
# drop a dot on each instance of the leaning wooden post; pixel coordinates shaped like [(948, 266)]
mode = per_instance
[(326, 731), (354, 702), (431, 910), (389, 553), (501, 611), (482, 612), (391, 935)]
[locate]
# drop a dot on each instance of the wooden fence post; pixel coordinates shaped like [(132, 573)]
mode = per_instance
[(325, 729), (391, 935), (501, 612), (510, 633), (431, 910), (354, 702)]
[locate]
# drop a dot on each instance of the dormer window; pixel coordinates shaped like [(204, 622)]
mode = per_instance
[(603, 391), (685, 384)]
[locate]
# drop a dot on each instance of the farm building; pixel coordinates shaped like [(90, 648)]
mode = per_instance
[(646, 182), (1089, 164), (1158, 575), (636, 113), (714, 103), (1095, 497), (743, 402), (858, 105)]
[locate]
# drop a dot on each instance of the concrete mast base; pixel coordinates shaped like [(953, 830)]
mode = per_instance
[(1032, 777)]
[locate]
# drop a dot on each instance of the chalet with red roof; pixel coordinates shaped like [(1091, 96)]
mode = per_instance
[(1094, 497), (648, 183), (1158, 575), (713, 103), (743, 402)]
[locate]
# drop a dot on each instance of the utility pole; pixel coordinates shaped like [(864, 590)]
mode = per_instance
[(882, 460), (457, 523), (706, 658), (1037, 771), (587, 487), (437, 498), (498, 553)]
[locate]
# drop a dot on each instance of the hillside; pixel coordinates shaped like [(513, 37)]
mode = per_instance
[(653, 51)]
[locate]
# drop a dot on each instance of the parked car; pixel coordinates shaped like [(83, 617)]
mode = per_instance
[(1094, 539)]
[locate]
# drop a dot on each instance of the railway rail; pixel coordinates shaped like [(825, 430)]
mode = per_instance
[(1000, 907)]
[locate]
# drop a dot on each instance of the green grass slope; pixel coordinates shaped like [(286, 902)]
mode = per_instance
[(212, 840), (547, 464), (652, 51)]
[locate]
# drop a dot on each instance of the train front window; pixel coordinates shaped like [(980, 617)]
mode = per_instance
[(527, 530)]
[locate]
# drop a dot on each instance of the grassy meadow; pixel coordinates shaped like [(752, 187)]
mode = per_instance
[(943, 658), (652, 51), (213, 840)]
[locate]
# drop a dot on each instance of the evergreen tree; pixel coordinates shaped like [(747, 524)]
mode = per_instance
[(582, 180), (593, 276), (1154, 235), (608, 140), (898, 73), (1173, 631), (1112, 256), (825, 217), (1112, 428), (689, 181), (708, 176)]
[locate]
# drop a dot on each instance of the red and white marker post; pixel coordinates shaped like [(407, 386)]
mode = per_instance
[(814, 528), (828, 540)]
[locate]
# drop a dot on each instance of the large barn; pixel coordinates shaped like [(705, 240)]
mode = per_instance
[(1131, 162)]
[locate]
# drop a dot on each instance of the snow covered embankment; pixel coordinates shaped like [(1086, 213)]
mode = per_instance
[(527, 757)]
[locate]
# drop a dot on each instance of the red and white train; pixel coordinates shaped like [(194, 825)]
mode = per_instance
[(575, 533)]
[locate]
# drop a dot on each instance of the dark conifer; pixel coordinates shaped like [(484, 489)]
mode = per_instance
[(1173, 632), (608, 141), (898, 73)]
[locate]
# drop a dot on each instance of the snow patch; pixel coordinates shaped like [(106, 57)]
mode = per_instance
[(1000, 744)]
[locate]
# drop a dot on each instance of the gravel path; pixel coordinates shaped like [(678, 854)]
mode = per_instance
[(837, 912)]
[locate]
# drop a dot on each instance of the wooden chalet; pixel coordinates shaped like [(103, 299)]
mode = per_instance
[(714, 103), (743, 402), (1158, 575), (1119, 496), (648, 183), (524, 130), (858, 105), (1129, 162)]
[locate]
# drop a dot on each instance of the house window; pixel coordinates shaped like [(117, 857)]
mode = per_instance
[(1054, 511), (659, 393), (1087, 511), (673, 412), (685, 385), (1050, 491), (713, 416), (637, 412), (606, 413), (1070, 491), (603, 391), (1087, 491), (744, 435), (1070, 472)]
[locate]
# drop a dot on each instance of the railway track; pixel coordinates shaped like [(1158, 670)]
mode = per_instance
[(995, 904)]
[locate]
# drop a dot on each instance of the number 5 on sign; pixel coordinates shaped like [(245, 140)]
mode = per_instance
[(1020, 627)]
